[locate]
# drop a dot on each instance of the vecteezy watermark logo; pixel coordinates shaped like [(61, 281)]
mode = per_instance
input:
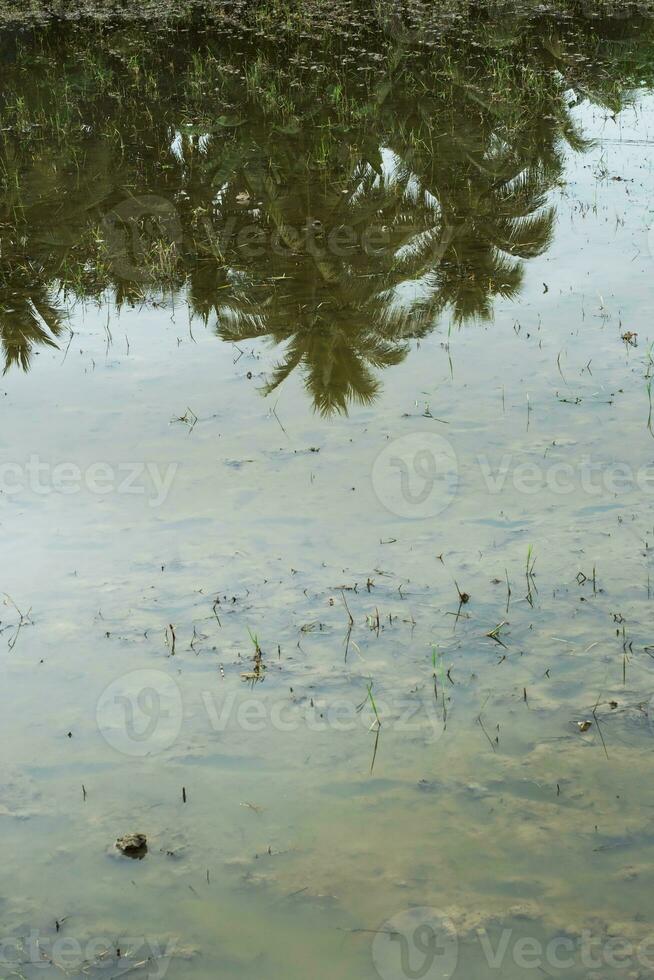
[(415, 715), (141, 713), (416, 475), (588, 477), (418, 944), (421, 944), (118, 956), (134, 228), (145, 479)]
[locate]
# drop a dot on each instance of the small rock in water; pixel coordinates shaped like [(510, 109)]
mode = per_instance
[(133, 845)]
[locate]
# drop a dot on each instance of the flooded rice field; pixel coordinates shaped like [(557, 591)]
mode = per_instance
[(327, 470)]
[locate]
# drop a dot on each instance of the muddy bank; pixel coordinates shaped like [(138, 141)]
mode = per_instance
[(314, 13)]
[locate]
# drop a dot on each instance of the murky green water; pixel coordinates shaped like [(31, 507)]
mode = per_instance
[(327, 465)]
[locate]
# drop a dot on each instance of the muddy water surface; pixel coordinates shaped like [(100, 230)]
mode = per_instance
[(327, 564)]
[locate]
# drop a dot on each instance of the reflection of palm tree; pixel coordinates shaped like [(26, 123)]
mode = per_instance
[(28, 318), (455, 234), (492, 194), (328, 287), (505, 222), (33, 253), (339, 345), (453, 164)]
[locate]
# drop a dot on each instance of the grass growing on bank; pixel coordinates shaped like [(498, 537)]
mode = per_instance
[(294, 14)]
